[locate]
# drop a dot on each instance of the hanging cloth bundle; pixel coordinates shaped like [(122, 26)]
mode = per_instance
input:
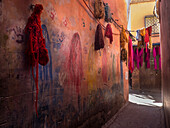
[(150, 41), (99, 41), (154, 55), (146, 39), (108, 15), (36, 51), (135, 56), (98, 9), (142, 42), (123, 38), (124, 54), (108, 33), (147, 59), (159, 58), (130, 55)]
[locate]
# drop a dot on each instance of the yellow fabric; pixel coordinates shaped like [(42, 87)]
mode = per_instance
[(150, 43), (142, 32), (123, 38)]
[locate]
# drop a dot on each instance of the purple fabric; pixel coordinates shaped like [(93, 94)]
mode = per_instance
[(141, 57), (154, 55), (130, 55), (147, 59), (159, 58), (138, 57)]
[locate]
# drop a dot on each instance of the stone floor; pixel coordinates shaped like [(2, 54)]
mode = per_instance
[(144, 110)]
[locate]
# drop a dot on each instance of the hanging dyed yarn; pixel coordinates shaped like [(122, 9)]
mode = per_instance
[(124, 54), (99, 41), (138, 36), (159, 58), (108, 33), (98, 9), (123, 38), (36, 52), (135, 58), (154, 55), (147, 58), (130, 55), (140, 56), (108, 15), (146, 38), (142, 42), (150, 41)]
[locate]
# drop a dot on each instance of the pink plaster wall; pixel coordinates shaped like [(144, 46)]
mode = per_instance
[(79, 85)]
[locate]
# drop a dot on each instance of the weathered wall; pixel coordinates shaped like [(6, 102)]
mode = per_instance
[(147, 78), (150, 79), (165, 45), (79, 86)]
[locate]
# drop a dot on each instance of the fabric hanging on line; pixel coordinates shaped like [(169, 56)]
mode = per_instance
[(135, 57), (98, 9), (159, 58), (146, 39), (147, 59), (158, 53), (123, 38), (130, 50), (150, 39), (108, 33), (154, 55), (99, 41), (108, 15), (124, 54), (36, 51), (138, 36), (140, 56)]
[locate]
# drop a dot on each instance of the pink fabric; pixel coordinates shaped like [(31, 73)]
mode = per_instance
[(148, 59), (154, 55), (146, 38), (159, 58), (138, 57), (130, 55), (141, 57)]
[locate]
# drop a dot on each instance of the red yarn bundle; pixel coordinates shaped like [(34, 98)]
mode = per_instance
[(36, 51), (108, 33)]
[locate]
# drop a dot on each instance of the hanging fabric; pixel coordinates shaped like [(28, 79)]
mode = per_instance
[(108, 15), (99, 41), (124, 54), (146, 39), (142, 42), (159, 58), (98, 9), (140, 56), (138, 36), (147, 58), (130, 50), (150, 33), (136, 57), (123, 38), (108, 33), (154, 55), (36, 51)]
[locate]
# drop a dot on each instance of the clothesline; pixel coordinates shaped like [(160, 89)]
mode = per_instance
[(115, 23)]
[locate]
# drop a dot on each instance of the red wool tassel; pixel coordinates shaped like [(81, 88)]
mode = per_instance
[(36, 51)]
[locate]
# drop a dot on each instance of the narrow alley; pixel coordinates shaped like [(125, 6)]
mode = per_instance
[(144, 110)]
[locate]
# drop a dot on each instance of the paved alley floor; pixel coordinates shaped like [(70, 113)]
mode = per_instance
[(144, 110)]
